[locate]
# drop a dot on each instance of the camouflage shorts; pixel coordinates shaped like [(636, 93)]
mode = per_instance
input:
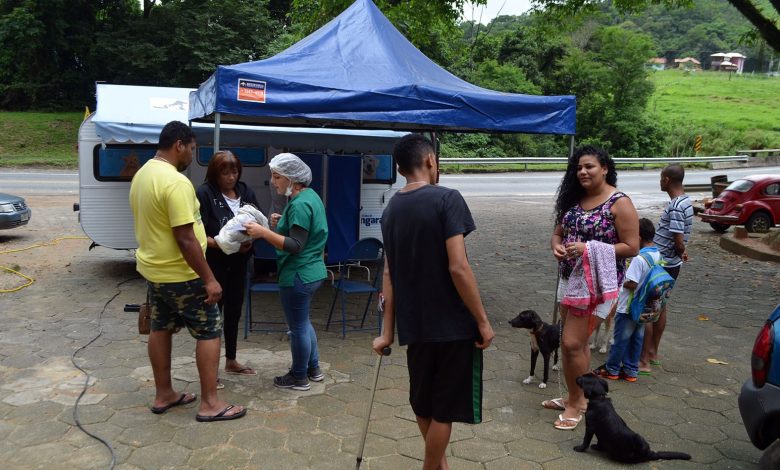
[(178, 304)]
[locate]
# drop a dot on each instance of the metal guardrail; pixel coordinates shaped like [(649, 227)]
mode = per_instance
[(641, 161), (697, 187), (769, 152)]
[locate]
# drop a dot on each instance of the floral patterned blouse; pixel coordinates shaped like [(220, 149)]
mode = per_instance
[(580, 225)]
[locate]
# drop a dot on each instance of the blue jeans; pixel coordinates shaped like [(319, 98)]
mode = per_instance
[(296, 301), (624, 354)]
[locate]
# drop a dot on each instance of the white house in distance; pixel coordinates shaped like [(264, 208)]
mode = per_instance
[(687, 63), (728, 62), (656, 63)]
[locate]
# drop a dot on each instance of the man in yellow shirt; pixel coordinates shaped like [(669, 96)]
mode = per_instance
[(182, 289)]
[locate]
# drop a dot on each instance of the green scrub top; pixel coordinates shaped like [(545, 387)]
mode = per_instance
[(306, 211)]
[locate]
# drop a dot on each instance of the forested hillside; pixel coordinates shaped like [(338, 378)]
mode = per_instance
[(710, 26)]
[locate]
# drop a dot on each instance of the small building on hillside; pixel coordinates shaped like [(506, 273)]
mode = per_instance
[(656, 63), (728, 62), (687, 63)]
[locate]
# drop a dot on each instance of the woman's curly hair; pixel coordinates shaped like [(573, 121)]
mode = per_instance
[(570, 192)]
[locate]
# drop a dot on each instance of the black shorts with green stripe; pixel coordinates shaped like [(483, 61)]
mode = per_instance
[(445, 381)]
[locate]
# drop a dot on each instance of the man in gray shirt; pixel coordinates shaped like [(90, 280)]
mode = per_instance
[(671, 237)]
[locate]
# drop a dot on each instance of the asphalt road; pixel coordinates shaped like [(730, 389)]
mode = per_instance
[(641, 185), (39, 182)]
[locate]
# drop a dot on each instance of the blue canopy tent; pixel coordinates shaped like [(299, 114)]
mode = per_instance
[(359, 71)]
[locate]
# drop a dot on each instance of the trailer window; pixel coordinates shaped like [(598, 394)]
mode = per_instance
[(120, 162), (249, 156), (378, 169)]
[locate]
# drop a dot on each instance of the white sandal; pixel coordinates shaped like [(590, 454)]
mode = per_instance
[(554, 404), (567, 427)]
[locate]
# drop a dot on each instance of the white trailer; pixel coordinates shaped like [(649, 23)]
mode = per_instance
[(353, 169)]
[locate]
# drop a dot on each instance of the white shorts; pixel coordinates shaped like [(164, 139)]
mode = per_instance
[(602, 310)]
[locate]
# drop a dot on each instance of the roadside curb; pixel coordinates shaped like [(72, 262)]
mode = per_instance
[(750, 247)]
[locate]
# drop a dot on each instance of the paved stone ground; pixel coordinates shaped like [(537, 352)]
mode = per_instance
[(688, 404)]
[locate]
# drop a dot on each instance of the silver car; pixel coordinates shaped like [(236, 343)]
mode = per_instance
[(13, 211)]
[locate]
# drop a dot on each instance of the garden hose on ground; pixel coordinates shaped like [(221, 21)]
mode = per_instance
[(29, 280), (86, 379)]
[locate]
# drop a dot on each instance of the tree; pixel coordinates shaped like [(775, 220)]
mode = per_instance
[(608, 77), (535, 50), (45, 49), (428, 24), (189, 40), (763, 17), (54, 50)]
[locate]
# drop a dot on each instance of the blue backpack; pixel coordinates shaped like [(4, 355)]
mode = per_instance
[(651, 295)]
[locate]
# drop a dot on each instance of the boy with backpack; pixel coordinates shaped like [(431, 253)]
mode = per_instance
[(644, 292)]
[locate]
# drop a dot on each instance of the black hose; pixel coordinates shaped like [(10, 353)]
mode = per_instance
[(86, 381)]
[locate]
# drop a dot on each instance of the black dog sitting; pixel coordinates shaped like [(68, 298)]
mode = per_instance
[(545, 339), (614, 436)]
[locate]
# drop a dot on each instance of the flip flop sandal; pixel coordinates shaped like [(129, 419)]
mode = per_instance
[(183, 400), (221, 416), (655, 362), (645, 372), (242, 371), (567, 427), (554, 404)]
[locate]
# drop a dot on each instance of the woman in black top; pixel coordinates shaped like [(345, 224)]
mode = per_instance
[(220, 197)]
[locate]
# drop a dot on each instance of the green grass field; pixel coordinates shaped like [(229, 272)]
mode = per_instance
[(729, 111), (742, 102), (39, 139)]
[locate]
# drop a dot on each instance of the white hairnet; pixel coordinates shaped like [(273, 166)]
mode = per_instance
[(291, 167)]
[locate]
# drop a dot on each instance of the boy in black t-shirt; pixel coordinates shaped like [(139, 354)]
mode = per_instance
[(430, 289)]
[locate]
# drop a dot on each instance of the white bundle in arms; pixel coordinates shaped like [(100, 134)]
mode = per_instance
[(232, 235)]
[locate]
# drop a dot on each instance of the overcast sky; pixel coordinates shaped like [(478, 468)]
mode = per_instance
[(510, 7)]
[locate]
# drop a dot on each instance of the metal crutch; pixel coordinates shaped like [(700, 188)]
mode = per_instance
[(385, 352)]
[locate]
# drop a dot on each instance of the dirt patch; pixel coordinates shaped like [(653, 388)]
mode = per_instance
[(47, 243), (773, 240)]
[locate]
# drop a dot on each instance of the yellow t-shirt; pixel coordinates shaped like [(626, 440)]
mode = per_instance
[(162, 198)]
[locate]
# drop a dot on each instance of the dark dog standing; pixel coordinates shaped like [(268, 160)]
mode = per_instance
[(545, 339), (614, 436)]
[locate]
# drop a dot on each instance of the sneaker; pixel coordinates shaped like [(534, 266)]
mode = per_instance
[(315, 374), (626, 377), (289, 381), (602, 371)]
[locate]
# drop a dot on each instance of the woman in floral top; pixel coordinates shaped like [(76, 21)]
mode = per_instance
[(588, 208)]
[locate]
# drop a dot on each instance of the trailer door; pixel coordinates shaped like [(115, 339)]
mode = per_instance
[(344, 178)]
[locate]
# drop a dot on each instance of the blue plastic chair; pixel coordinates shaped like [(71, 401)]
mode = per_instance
[(365, 253), (262, 251)]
